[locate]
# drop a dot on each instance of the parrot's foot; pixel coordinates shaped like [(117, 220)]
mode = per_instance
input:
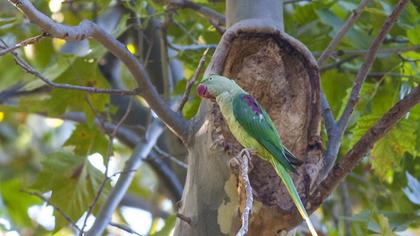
[(237, 161), (248, 152)]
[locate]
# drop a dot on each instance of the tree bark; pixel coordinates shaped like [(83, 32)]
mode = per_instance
[(283, 76)]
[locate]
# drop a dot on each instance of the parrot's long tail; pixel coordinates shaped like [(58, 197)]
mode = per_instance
[(290, 186)]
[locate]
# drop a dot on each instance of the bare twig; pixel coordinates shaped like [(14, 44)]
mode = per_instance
[(350, 21), (211, 14), (338, 63), (111, 137), (245, 190), (329, 119), (382, 52), (131, 139), (24, 43), (368, 61), (140, 153), (170, 157), (164, 56), (125, 228), (191, 82), (353, 157), (186, 219), (346, 206), (296, 1), (193, 47), (334, 142), (88, 29), (67, 217), (131, 200), (29, 69), (127, 136)]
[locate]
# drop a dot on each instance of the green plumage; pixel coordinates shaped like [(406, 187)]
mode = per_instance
[(253, 128), (258, 124)]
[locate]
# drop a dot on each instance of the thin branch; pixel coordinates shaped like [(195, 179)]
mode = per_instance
[(169, 157), (67, 217), (368, 61), (140, 153), (111, 137), (130, 200), (329, 119), (193, 47), (347, 25), (295, 1), (346, 206), (380, 74), (164, 57), (24, 43), (131, 139), (127, 136), (353, 157), (338, 63), (186, 219), (209, 13), (88, 29), (335, 142), (30, 70), (245, 190), (382, 52), (193, 79), (125, 228)]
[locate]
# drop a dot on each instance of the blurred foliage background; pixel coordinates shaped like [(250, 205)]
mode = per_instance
[(52, 143)]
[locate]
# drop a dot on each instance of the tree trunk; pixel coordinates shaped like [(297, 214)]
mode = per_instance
[(283, 76)]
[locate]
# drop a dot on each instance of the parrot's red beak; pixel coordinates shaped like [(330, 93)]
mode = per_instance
[(203, 92)]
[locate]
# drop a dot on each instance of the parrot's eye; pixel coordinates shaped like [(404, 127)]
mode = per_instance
[(211, 78)]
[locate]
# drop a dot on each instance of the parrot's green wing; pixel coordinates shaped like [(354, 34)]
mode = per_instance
[(257, 123)]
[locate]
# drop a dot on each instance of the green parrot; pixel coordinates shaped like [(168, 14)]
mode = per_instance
[(253, 128)]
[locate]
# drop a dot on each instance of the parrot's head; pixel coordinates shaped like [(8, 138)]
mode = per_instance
[(214, 85)]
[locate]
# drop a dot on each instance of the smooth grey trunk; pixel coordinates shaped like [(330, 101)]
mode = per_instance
[(283, 76), (237, 10)]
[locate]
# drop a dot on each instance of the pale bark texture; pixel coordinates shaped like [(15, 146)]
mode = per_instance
[(283, 76)]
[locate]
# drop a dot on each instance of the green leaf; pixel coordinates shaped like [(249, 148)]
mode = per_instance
[(82, 72), (385, 221), (169, 225), (355, 37), (16, 202), (413, 35), (388, 151), (380, 225), (88, 140), (74, 183), (191, 107), (329, 83)]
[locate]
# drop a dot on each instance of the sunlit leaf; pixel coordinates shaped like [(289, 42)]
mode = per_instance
[(16, 202), (169, 225), (412, 191), (74, 183), (88, 140)]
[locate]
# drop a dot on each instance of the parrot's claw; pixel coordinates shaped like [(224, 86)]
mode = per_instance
[(249, 152)]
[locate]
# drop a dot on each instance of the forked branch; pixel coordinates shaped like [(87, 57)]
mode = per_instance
[(88, 29), (336, 134), (362, 147)]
